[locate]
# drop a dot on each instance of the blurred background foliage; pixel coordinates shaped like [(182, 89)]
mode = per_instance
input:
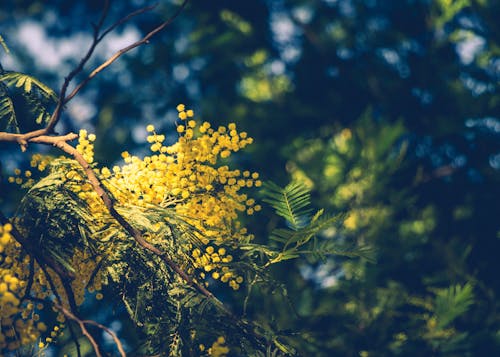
[(387, 110)]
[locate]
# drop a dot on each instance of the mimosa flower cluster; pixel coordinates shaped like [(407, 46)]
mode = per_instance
[(191, 178), (18, 322)]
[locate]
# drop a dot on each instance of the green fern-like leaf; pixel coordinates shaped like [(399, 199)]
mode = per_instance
[(26, 81), (453, 302), (292, 202), (8, 119), (365, 251), (304, 234), (36, 98)]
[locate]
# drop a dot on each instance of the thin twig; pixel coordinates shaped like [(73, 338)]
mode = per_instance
[(109, 332), (125, 19), (62, 94), (23, 139), (58, 298), (124, 50), (80, 323)]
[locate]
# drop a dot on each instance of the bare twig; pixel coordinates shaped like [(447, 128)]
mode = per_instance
[(62, 94), (125, 19), (109, 332), (80, 323), (23, 139), (59, 299), (124, 50), (97, 38)]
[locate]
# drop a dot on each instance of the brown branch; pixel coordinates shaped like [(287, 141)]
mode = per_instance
[(80, 323), (125, 19), (124, 50), (62, 94), (61, 143), (23, 139), (109, 332), (97, 38), (58, 298), (247, 327)]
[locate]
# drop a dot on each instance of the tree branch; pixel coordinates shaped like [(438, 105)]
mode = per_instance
[(62, 94), (84, 330), (124, 50), (109, 332)]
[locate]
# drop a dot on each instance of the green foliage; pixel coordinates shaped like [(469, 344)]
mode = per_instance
[(28, 92), (452, 303), (293, 203), (7, 112)]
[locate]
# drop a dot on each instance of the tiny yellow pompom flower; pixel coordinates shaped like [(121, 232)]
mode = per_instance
[(180, 129), (92, 137), (181, 107), (182, 115), (190, 113), (150, 128), (191, 123)]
